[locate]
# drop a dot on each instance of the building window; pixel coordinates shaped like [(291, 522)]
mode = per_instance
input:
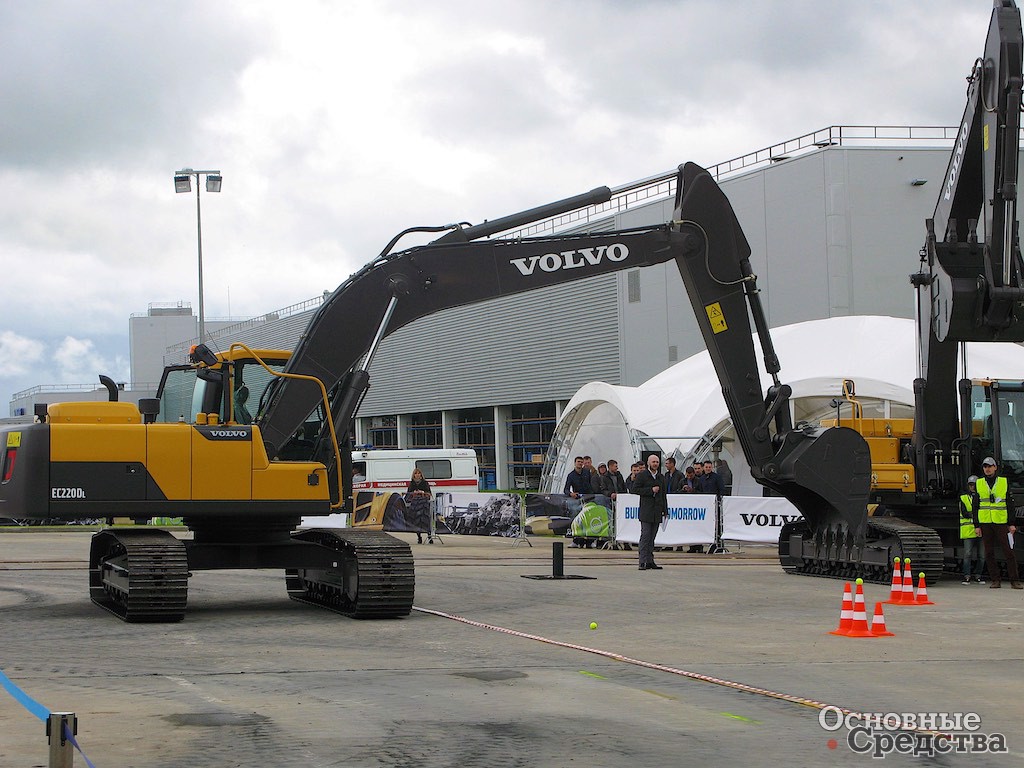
[(474, 428), (425, 430), (530, 427), (633, 286), (383, 432)]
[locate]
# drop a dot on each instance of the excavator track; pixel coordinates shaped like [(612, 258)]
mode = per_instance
[(887, 538), (373, 578), (139, 576), (918, 542)]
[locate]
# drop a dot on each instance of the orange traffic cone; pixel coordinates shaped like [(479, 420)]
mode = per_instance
[(859, 628), (922, 592), (907, 597), (846, 615), (896, 593), (878, 623)]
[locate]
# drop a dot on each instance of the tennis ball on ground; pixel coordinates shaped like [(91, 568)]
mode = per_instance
[(593, 625)]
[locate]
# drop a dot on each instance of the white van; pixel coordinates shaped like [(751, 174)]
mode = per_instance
[(451, 470), (379, 475)]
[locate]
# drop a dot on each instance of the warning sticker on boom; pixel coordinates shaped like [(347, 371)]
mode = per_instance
[(716, 317)]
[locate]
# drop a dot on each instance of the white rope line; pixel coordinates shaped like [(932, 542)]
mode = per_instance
[(663, 668)]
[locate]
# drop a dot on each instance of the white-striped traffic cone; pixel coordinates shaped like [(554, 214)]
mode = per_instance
[(907, 597), (878, 623), (859, 627), (922, 592), (846, 615), (896, 592)]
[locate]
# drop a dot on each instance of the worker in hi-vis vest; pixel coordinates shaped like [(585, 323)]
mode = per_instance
[(970, 535), (993, 492)]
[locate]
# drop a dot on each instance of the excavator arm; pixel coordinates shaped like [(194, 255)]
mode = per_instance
[(825, 473), (969, 286), (457, 269)]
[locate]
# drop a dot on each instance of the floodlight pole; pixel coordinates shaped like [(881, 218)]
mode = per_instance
[(213, 181)]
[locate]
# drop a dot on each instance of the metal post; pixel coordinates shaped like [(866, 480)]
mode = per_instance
[(62, 753), (213, 184), (557, 560), (199, 233)]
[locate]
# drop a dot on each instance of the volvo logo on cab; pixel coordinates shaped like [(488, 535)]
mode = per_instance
[(553, 262), (225, 433)]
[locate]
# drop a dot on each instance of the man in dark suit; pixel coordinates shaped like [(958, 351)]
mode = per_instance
[(615, 479), (649, 485), (674, 479)]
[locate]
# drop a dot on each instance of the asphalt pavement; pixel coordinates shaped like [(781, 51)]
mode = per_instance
[(715, 660)]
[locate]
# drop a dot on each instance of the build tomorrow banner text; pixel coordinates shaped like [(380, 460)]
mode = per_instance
[(691, 520)]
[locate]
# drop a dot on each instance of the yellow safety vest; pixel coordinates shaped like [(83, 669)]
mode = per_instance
[(992, 508), (966, 520)]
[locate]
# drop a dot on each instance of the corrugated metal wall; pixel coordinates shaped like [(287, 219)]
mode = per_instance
[(538, 346)]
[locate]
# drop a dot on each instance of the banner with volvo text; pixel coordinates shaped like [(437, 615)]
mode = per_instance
[(756, 518)]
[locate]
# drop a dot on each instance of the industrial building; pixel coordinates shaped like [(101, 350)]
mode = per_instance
[(835, 221)]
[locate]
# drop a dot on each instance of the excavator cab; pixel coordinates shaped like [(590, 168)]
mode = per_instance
[(214, 384), (997, 427)]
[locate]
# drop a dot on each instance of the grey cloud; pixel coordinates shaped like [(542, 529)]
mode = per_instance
[(93, 81), (492, 96)]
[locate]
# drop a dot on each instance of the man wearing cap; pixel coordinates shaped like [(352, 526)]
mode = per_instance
[(969, 532), (994, 500)]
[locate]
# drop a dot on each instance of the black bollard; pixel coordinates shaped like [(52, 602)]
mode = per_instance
[(557, 560), (557, 565)]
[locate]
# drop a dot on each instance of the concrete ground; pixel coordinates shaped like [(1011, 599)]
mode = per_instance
[(250, 678)]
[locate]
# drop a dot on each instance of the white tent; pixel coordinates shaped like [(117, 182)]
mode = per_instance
[(683, 405)]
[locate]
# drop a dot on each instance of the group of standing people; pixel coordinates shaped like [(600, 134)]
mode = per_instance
[(701, 477), (652, 486), (984, 520), (585, 480), (606, 479)]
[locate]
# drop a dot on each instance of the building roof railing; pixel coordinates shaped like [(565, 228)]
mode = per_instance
[(664, 184), (92, 386), (231, 330)]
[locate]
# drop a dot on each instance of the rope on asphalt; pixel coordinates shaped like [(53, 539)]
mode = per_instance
[(663, 668)]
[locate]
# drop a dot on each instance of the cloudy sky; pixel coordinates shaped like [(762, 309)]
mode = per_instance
[(338, 123)]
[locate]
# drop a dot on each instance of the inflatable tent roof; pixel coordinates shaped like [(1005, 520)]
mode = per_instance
[(675, 409)]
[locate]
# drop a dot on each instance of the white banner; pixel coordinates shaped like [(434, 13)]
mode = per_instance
[(756, 518), (691, 520)]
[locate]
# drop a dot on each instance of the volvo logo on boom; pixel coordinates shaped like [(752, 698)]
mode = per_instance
[(553, 262), (958, 159)]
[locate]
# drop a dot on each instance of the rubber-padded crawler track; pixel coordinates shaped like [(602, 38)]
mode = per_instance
[(139, 576), (374, 577), (905, 539)]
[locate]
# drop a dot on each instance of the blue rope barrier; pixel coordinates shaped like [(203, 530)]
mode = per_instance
[(39, 711), (33, 706), (71, 737)]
